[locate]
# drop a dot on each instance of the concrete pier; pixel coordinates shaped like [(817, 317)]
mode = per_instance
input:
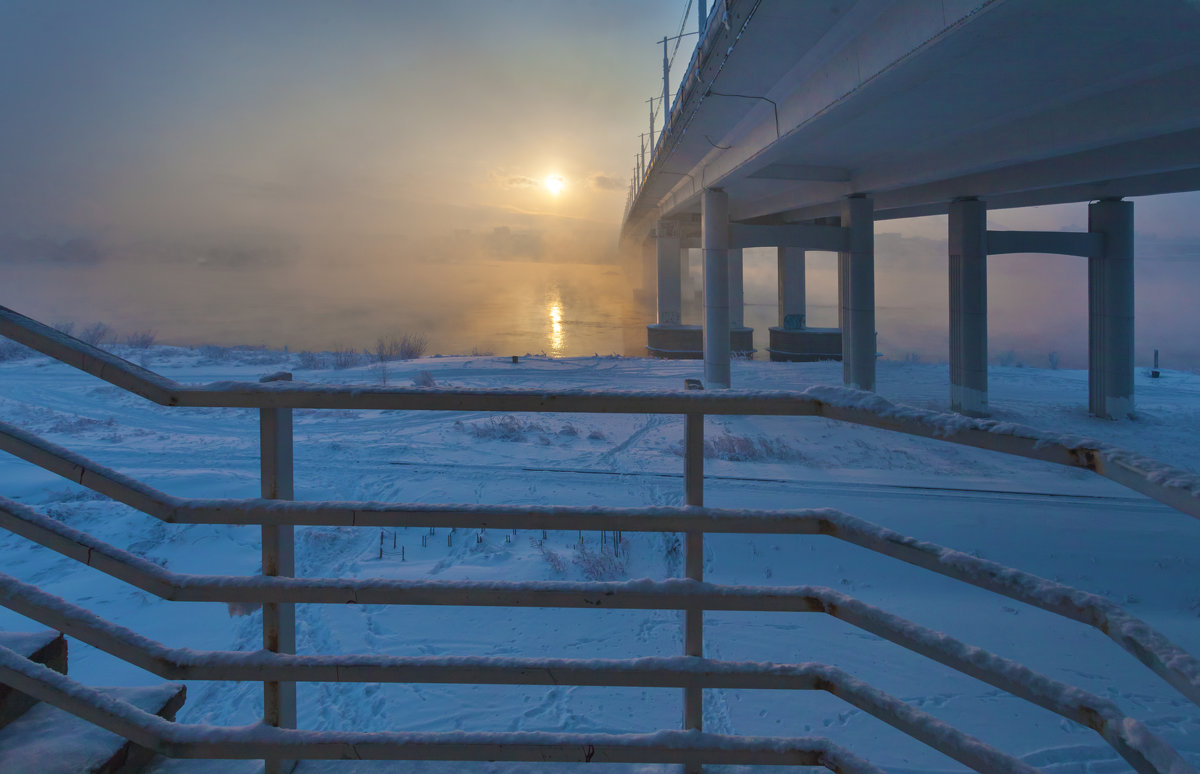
[(856, 288), (792, 299), (669, 337), (968, 307), (792, 339), (741, 338), (714, 226), (1110, 311), (670, 283), (737, 294)]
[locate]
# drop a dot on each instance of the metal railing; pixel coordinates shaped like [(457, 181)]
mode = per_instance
[(708, 17), (279, 669)]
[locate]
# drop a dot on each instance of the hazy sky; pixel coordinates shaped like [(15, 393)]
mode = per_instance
[(170, 115), (310, 172), (166, 158)]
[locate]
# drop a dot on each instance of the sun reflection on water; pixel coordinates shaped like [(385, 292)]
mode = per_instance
[(554, 312)]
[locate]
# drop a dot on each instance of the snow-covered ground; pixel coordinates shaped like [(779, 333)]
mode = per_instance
[(1060, 523)]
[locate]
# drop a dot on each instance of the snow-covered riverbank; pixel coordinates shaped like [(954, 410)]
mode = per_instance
[(1059, 523)]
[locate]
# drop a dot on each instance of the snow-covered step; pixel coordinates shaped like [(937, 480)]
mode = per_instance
[(49, 648), (46, 740)]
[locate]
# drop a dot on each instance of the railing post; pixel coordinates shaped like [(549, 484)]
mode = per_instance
[(278, 558), (693, 619)]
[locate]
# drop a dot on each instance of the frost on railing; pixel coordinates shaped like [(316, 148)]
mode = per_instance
[(1153, 649), (177, 740), (1126, 736), (1177, 488), (1140, 748)]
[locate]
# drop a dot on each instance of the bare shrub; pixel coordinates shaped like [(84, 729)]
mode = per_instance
[(211, 353), (11, 350), (599, 566), (77, 424), (387, 348), (737, 448), (97, 334), (412, 346), (142, 339), (504, 428), (1052, 358), (1009, 358), (343, 358), (557, 565), (312, 361), (424, 379), (404, 346)]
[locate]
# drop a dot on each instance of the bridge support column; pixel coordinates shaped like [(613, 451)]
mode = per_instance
[(741, 338), (792, 295), (714, 228), (737, 296), (648, 268), (1110, 311), (856, 288), (670, 283), (968, 307), (687, 295)]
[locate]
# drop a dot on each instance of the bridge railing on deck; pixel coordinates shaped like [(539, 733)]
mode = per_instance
[(715, 13), (279, 669)]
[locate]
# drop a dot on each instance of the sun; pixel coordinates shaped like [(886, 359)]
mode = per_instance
[(554, 184)]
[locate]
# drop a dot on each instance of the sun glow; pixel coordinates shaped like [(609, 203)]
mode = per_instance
[(554, 184)]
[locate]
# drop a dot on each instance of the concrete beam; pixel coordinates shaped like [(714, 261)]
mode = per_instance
[(1110, 311), (968, 243), (807, 236), (715, 232), (1084, 243)]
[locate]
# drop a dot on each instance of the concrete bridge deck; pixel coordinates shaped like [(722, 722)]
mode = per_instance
[(790, 110)]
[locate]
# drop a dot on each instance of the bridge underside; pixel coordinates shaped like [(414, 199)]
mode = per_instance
[(791, 110)]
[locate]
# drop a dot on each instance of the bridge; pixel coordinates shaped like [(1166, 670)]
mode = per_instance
[(797, 125)]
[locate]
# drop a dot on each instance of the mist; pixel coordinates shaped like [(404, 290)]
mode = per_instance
[(311, 175)]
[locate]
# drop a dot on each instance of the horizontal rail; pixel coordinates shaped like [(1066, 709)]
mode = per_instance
[(1175, 487), (679, 672), (1142, 749), (177, 740), (1164, 658)]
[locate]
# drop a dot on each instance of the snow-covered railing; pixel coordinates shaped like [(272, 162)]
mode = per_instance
[(178, 740), (1173, 486), (277, 592), (1144, 751), (1153, 649)]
